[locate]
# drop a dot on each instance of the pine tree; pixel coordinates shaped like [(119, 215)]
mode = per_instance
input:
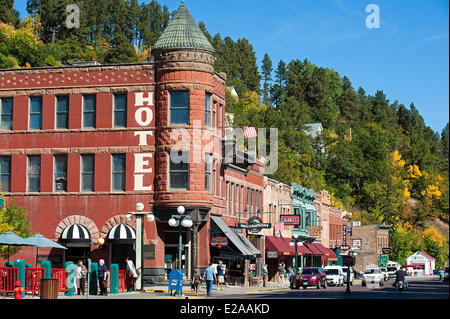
[(267, 77)]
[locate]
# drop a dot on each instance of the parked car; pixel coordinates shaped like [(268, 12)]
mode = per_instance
[(446, 274), (385, 273), (352, 275), (335, 275), (311, 276), (373, 275)]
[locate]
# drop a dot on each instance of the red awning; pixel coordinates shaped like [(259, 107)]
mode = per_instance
[(314, 250), (301, 250), (332, 256), (324, 251), (279, 245)]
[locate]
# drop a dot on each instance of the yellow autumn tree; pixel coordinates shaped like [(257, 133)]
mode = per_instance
[(414, 172)]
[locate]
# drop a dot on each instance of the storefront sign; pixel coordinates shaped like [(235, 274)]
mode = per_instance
[(272, 254), (344, 235), (254, 225), (356, 244), (219, 242), (386, 251), (290, 219), (313, 231), (144, 117)]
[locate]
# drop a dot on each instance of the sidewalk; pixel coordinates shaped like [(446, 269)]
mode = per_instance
[(226, 289)]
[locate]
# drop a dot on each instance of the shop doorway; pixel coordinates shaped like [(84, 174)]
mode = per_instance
[(171, 252), (75, 253), (120, 253)]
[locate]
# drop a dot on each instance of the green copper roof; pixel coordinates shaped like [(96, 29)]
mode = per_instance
[(183, 32)]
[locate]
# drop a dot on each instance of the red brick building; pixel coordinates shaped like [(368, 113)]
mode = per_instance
[(82, 144)]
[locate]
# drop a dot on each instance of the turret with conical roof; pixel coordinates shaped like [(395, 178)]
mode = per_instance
[(183, 32), (183, 41)]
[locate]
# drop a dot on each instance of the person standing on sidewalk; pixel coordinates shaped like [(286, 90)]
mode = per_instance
[(281, 273), (196, 280), (220, 275), (265, 273), (103, 277), (80, 275), (209, 276)]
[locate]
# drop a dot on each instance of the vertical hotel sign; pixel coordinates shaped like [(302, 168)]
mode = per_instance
[(144, 116)]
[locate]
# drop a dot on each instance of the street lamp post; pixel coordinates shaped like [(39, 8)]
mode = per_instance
[(180, 221), (347, 290), (296, 242), (140, 240)]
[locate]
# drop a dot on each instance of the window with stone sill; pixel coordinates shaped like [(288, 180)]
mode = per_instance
[(5, 174), (35, 113), (179, 170), (6, 114), (62, 112), (179, 107)]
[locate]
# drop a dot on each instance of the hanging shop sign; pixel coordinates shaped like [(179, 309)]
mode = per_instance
[(219, 242), (272, 254), (314, 231), (290, 219), (255, 225)]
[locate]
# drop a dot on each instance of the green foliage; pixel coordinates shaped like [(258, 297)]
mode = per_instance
[(16, 219)]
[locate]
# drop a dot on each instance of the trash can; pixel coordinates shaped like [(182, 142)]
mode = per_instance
[(49, 288)]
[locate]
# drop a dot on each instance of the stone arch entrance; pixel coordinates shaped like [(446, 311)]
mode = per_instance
[(118, 252), (77, 250)]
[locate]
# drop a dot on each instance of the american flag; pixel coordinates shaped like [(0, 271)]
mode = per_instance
[(250, 132), (279, 226)]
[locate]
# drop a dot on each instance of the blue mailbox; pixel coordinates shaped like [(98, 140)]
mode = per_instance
[(176, 282)]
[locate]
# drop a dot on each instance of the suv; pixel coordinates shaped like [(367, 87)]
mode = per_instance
[(373, 275), (311, 276), (335, 275)]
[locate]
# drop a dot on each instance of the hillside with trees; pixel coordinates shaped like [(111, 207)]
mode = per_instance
[(376, 156)]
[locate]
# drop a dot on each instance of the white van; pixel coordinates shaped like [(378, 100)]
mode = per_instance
[(392, 268), (335, 275)]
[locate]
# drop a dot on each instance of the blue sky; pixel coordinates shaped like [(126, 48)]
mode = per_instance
[(407, 57)]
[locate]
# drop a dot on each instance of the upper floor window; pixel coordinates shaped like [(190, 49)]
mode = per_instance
[(87, 172), (179, 171), (62, 112), (120, 110), (5, 174), (118, 172), (207, 109), (60, 173), (89, 111), (214, 119), (34, 173), (207, 172), (6, 113), (179, 107), (35, 113)]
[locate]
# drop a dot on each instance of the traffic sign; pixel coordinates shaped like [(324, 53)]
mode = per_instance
[(347, 260), (344, 248), (386, 251)]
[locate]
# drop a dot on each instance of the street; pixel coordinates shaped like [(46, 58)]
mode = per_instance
[(420, 288)]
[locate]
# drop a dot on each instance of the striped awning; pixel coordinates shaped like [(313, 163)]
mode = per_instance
[(122, 234), (76, 234)]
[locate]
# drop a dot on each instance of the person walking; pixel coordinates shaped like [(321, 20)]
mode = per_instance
[(265, 273), (281, 273), (80, 275), (220, 275), (291, 277), (209, 276), (196, 280), (103, 277)]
